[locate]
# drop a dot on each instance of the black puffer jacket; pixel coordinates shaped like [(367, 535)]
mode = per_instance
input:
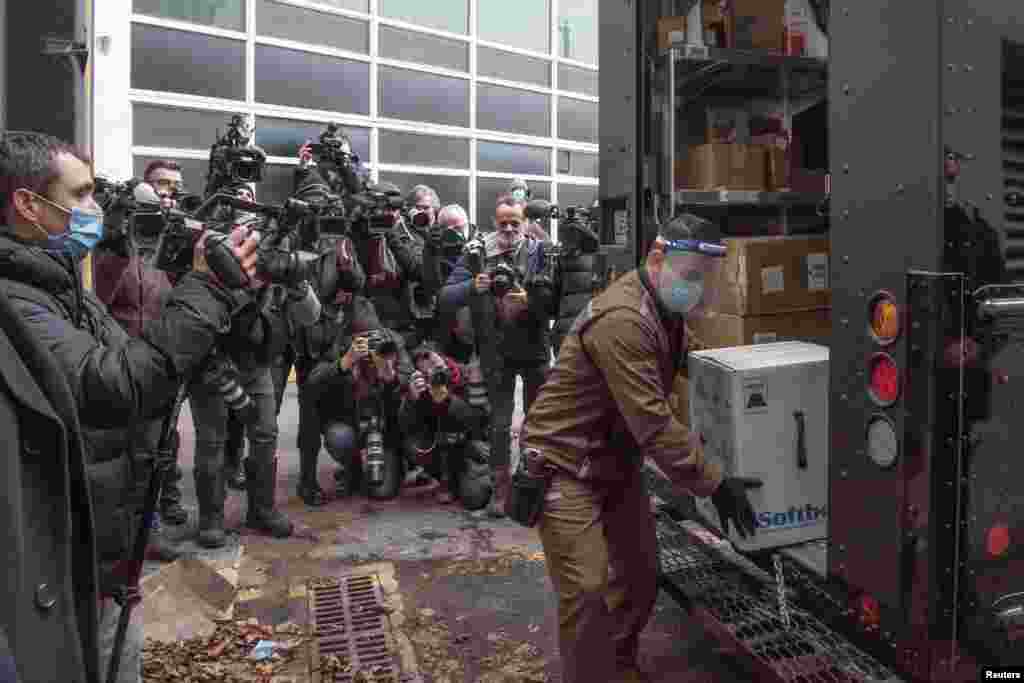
[(116, 381)]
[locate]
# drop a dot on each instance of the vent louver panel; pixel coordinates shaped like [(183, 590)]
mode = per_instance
[(1013, 159)]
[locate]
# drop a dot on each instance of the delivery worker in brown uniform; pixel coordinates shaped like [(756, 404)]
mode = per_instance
[(603, 410)]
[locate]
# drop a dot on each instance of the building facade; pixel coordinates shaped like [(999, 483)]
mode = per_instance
[(462, 95)]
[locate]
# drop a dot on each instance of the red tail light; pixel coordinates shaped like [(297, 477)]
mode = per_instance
[(998, 540), (868, 611), (884, 382)]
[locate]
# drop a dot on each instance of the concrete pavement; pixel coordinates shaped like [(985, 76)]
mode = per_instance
[(476, 603)]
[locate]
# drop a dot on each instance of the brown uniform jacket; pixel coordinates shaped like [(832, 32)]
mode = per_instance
[(605, 407)]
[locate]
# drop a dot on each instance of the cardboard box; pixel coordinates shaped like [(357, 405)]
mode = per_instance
[(759, 24), (733, 167), (762, 275), (727, 125), (778, 173), (764, 413), (721, 330), (671, 30)]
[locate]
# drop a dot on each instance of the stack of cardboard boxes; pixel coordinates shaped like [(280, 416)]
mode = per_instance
[(766, 289)]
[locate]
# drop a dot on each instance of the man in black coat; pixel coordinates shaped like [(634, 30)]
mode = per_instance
[(49, 221), (50, 579)]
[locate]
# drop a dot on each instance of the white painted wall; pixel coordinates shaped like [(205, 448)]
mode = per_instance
[(112, 114)]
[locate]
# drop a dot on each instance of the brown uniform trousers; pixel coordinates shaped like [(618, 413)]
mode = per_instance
[(602, 555)]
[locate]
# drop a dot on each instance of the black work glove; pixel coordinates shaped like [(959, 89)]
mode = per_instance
[(731, 502)]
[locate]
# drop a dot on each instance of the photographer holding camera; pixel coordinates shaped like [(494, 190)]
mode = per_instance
[(249, 346), (392, 256), (134, 292), (498, 278), (357, 386), (51, 221), (336, 276), (442, 430)]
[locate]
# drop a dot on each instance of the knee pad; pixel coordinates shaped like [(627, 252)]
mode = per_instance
[(340, 439)]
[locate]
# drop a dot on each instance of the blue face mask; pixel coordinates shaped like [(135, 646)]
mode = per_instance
[(519, 194), (84, 232), (682, 296)]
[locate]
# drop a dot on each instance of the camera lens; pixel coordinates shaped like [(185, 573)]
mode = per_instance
[(421, 219)]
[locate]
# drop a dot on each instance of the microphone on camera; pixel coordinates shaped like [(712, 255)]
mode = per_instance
[(145, 194)]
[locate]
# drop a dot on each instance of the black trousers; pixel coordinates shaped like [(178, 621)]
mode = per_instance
[(501, 392)]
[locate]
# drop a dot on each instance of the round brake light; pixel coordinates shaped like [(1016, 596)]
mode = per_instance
[(998, 541), (884, 384), (869, 611), (884, 318)]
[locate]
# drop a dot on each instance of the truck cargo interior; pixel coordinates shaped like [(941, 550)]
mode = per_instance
[(865, 163)]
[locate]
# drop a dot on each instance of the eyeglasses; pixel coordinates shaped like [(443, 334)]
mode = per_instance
[(694, 246)]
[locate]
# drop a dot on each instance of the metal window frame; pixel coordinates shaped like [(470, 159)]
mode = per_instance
[(373, 122)]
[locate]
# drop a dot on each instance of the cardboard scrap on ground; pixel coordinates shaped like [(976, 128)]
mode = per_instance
[(184, 599)]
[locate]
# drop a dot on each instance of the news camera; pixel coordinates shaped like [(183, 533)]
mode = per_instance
[(575, 226), (374, 210), (276, 261), (440, 377), (334, 146), (379, 341), (233, 159), (327, 213)]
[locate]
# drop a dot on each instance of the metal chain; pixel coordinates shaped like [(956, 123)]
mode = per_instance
[(780, 591)]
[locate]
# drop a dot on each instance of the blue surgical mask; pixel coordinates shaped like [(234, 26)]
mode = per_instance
[(682, 296), (84, 232), (519, 194)]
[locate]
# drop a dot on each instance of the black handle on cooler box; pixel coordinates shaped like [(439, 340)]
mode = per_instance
[(801, 442)]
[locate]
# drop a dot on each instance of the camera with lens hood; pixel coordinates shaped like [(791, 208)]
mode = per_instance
[(374, 208)]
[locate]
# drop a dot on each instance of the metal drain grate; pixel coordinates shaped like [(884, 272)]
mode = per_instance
[(350, 620), (747, 616)]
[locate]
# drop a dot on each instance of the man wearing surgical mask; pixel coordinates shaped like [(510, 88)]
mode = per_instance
[(602, 412), (49, 221)]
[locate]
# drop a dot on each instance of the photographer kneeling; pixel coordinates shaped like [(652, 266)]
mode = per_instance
[(510, 320), (357, 386), (442, 430), (51, 221)]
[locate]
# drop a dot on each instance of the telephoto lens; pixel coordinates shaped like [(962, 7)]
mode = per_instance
[(421, 219), (220, 374), (374, 455)]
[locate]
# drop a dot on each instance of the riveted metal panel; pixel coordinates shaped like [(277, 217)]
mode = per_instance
[(885, 133), (983, 56), (620, 128)]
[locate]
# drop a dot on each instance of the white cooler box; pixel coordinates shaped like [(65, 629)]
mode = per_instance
[(749, 402)]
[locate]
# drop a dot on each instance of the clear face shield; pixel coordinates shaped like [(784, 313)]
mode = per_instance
[(685, 275)]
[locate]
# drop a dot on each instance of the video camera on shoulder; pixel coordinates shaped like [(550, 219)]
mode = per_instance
[(233, 159), (328, 215), (576, 230), (334, 147), (374, 210)]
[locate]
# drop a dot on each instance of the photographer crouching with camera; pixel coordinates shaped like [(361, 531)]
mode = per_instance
[(499, 278), (357, 387), (442, 431), (51, 221)]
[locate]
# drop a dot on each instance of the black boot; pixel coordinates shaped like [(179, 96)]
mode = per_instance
[(262, 513), (309, 489), (210, 492), (171, 511), (234, 454)]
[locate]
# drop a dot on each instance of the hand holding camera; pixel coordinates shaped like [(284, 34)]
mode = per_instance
[(417, 385), (231, 259), (357, 352), (306, 153), (482, 283)]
